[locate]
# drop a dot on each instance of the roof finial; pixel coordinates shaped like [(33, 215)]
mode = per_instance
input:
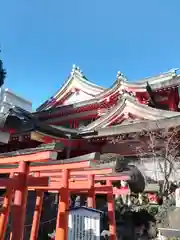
[(73, 66), (173, 70), (120, 76), (79, 70), (73, 69), (76, 69)]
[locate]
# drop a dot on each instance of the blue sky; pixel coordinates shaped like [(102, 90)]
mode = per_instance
[(41, 39)]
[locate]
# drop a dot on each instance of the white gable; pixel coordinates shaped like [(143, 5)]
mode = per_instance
[(77, 97)]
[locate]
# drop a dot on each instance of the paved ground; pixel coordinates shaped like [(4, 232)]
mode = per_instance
[(174, 219)]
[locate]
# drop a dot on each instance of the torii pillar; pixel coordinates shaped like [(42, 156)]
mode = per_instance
[(19, 205), (91, 200), (6, 210), (37, 212), (111, 213), (62, 216)]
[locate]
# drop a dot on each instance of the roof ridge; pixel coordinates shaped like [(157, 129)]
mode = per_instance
[(82, 77), (75, 73), (171, 73)]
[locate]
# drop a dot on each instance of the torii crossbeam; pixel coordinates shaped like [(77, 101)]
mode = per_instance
[(37, 171)]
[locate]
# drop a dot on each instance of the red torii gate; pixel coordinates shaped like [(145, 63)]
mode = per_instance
[(73, 177)]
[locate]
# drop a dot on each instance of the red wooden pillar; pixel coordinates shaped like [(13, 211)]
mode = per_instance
[(62, 216), (173, 99), (37, 213), (6, 209), (111, 213), (76, 124), (91, 200), (71, 124), (19, 205)]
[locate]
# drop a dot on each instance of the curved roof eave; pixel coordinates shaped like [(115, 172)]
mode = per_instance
[(164, 80), (141, 110), (146, 125), (97, 99), (141, 87), (75, 78)]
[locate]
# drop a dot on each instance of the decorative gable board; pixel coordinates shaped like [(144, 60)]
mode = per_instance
[(76, 97)]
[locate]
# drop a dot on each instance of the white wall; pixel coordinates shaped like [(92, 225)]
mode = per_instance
[(9, 99), (151, 169)]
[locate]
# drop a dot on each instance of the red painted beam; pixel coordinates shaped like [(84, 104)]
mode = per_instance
[(74, 188), (83, 172), (31, 182), (37, 181), (8, 170), (50, 167), (33, 157), (97, 178)]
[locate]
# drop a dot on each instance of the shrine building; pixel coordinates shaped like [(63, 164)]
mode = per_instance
[(88, 118)]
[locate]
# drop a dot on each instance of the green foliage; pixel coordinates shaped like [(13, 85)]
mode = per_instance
[(153, 210)]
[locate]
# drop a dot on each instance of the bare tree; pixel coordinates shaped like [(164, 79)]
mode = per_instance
[(162, 148)]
